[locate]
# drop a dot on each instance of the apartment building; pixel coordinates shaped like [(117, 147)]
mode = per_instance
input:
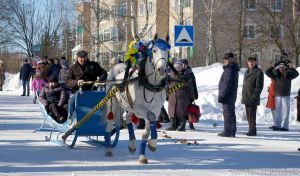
[(247, 27), (118, 21)]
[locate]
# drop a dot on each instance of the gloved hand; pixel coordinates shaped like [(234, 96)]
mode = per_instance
[(80, 82), (221, 99), (98, 84)]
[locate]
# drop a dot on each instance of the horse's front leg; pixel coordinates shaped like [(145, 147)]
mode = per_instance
[(107, 138), (152, 143), (132, 139), (150, 125), (143, 159)]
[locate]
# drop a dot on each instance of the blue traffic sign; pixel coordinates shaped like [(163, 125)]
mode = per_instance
[(184, 35)]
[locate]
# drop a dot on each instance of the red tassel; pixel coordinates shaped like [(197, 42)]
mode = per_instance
[(135, 119), (158, 125), (110, 116)]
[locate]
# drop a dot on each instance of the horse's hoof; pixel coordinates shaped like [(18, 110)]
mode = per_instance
[(152, 149), (108, 153), (131, 150), (143, 159), (152, 145), (131, 146)]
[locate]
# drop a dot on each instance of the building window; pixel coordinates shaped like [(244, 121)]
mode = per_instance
[(276, 5), (101, 36), (122, 10), (250, 4), (141, 9), (249, 32), (106, 34), (150, 7), (114, 34), (186, 3)]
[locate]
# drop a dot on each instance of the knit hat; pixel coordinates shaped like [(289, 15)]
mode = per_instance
[(228, 55), (52, 78), (33, 63), (185, 61)]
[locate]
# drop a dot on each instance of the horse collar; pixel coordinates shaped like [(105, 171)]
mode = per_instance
[(153, 88)]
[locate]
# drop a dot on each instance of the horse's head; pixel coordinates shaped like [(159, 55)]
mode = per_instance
[(159, 50)]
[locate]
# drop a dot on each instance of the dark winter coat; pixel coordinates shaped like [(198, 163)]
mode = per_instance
[(26, 72), (282, 81), (228, 84), (181, 99), (54, 70), (252, 86), (189, 73), (56, 95), (63, 75), (89, 72)]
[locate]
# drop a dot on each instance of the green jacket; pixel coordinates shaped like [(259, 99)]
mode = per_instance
[(252, 86)]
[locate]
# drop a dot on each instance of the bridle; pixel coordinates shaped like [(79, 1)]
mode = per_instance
[(160, 44)]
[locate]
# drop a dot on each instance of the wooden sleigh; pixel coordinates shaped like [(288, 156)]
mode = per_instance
[(94, 127)]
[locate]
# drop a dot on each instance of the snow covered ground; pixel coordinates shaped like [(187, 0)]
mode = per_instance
[(199, 152)]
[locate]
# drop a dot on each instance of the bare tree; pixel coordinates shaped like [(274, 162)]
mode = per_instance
[(25, 22), (293, 28), (51, 26), (118, 13), (5, 33), (211, 7)]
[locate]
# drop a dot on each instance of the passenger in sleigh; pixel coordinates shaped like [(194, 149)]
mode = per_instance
[(82, 71), (55, 100)]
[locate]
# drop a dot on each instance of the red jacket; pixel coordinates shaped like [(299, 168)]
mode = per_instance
[(271, 96)]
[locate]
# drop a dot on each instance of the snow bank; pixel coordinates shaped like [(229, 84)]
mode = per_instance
[(12, 82), (207, 84)]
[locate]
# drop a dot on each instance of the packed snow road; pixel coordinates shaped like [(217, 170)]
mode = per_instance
[(199, 152)]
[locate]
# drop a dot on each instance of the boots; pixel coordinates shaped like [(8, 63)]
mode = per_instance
[(191, 126), (182, 124), (173, 124)]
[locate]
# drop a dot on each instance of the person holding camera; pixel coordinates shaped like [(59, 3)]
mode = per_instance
[(283, 73)]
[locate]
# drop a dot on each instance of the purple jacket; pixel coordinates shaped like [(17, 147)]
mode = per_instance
[(56, 95)]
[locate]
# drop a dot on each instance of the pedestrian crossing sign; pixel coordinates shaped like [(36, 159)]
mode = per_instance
[(184, 35)]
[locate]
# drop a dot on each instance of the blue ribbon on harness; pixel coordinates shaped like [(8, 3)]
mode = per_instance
[(159, 43)]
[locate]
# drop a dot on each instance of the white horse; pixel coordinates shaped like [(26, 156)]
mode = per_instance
[(144, 100)]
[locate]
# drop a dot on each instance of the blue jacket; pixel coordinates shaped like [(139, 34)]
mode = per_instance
[(228, 84), (26, 71), (54, 70)]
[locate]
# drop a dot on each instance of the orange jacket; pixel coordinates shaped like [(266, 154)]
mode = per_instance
[(271, 96)]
